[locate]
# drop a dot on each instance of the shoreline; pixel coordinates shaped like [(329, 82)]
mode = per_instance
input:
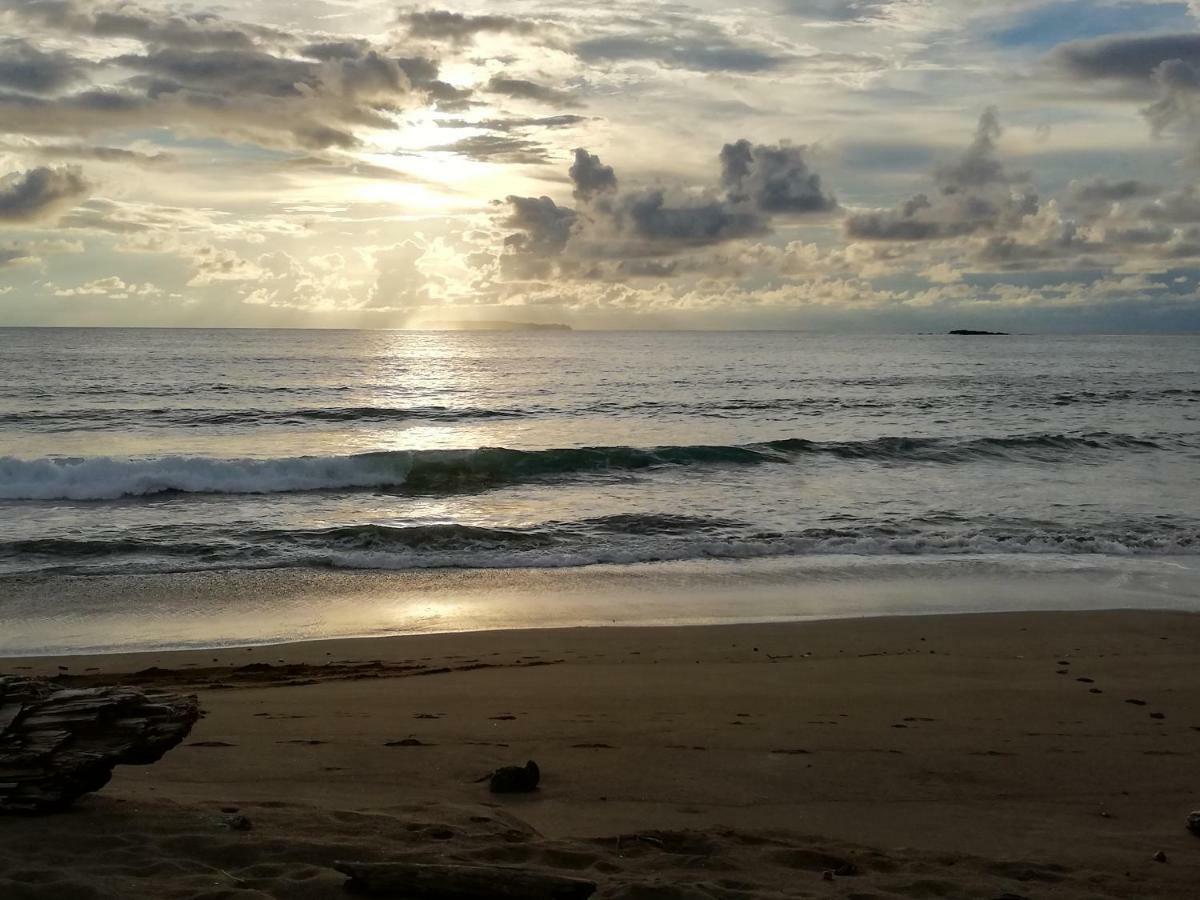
[(948, 755), (92, 614), (315, 650)]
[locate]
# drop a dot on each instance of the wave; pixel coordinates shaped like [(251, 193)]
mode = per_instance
[(572, 544), (91, 419), (104, 478)]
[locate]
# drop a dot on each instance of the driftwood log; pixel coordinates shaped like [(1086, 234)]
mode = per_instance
[(447, 882), (57, 744)]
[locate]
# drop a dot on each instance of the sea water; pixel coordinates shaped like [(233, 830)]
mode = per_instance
[(127, 452)]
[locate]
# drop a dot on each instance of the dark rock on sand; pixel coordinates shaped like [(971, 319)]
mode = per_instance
[(57, 744), (1193, 823), (515, 779)]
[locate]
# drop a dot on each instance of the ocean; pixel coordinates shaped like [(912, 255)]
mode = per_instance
[(818, 459)]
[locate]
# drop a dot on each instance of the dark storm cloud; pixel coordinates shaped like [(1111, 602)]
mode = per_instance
[(326, 50), (774, 179), (444, 25), (521, 89), (40, 193), (498, 148), (128, 20), (648, 216), (615, 231), (974, 194), (1128, 57), (1101, 190), (540, 225), (24, 67), (590, 176)]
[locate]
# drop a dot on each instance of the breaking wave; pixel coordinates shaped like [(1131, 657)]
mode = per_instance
[(105, 478), (585, 542)]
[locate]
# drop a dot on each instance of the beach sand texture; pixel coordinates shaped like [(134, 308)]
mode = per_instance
[(972, 756)]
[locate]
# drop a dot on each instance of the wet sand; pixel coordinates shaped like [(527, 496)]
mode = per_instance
[(1015, 754)]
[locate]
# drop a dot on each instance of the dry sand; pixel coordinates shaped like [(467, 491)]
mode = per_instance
[(975, 756)]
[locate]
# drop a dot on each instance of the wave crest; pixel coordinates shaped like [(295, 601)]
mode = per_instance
[(104, 478)]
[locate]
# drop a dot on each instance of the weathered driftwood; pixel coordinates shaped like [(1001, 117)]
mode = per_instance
[(57, 744), (448, 882)]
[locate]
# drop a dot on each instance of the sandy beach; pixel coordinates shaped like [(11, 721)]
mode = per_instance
[(996, 755)]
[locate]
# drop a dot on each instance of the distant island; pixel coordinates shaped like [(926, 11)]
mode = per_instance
[(972, 332), (498, 325)]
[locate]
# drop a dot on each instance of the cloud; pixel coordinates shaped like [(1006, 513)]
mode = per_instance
[(459, 28), (521, 89), (95, 154), (128, 20), (838, 10), (565, 120), (1180, 206), (498, 148), (214, 265), (974, 194), (1127, 57), (619, 233), (16, 254), (28, 252), (590, 176), (704, 52), (774, 179), (113, 287), (347, 167), (24, 67), (1178, 102), (400, 283), (40, 194), (539, 224), (1094, 197), (202, 74)]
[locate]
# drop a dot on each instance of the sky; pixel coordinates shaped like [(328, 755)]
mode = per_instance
[(830, 165)]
